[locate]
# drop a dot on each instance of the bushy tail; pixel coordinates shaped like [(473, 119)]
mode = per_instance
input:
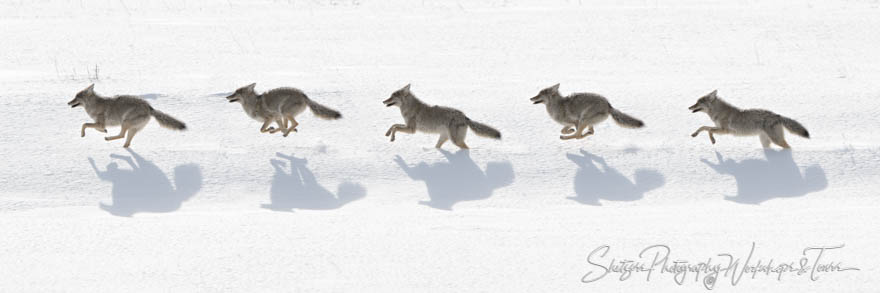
[(625, 120), (794, 127), (323, 112), (483, 129), (167, 121)]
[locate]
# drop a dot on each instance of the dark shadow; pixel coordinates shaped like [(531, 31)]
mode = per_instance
[(459, 179), (151, 96), (145, 188), (596, 180), (777, 176), (299, 189)]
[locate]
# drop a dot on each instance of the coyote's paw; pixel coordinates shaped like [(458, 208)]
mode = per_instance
[(82, 134), (568, 130), (695, 134), (104, 130)]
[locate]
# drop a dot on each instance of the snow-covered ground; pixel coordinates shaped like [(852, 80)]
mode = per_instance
[(337, 207)]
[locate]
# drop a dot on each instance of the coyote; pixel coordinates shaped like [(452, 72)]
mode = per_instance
[(448, 122), (581, 111), (731, 120), (280, 105), (130, 112)]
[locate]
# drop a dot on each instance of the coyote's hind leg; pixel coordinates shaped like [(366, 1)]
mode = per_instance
[(443, 138), (765, 140), (457, 134), (293, 125), (777, 136)]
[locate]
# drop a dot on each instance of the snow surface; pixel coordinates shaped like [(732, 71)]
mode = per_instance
[(336, 207)]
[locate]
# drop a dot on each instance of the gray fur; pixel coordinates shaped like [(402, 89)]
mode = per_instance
[(581, 111), (484, 130), (625, 120), (280, 105), (167, 121), (450, 123), (729, 119), (129, 112)]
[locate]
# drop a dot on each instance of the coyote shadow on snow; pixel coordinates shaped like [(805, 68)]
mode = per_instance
[(299, 189), (596, 180), (458, 179), (778, 176), (145, 188)]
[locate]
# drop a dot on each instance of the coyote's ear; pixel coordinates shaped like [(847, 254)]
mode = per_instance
[(90, 89), (714, 94), (555, 87), (250, 87), (406, 88)]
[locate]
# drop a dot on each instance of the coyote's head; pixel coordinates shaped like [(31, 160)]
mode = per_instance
[(83, 96), (705, 104), (399, 97), (245, 92), (546, 95)]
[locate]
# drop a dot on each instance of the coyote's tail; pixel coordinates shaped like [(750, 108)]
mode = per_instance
[(794, 127), (625, 120), (322, 111), (167, 121), (483, 129)]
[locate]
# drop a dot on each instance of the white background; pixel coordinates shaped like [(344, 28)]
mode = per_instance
[(209, 210)]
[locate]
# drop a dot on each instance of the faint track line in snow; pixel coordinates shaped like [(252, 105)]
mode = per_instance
[(55, 61), (850, 150), (251, 40), (121, 2), (234, 39)]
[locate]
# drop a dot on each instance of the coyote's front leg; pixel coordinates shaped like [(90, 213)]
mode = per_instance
[(567, 129), (400, 127), (577, 132), (97, 126), (717, 131), (281, 126), (265, 128), (711, 130)]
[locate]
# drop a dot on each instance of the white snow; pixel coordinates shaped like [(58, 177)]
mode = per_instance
[(337, 207)]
